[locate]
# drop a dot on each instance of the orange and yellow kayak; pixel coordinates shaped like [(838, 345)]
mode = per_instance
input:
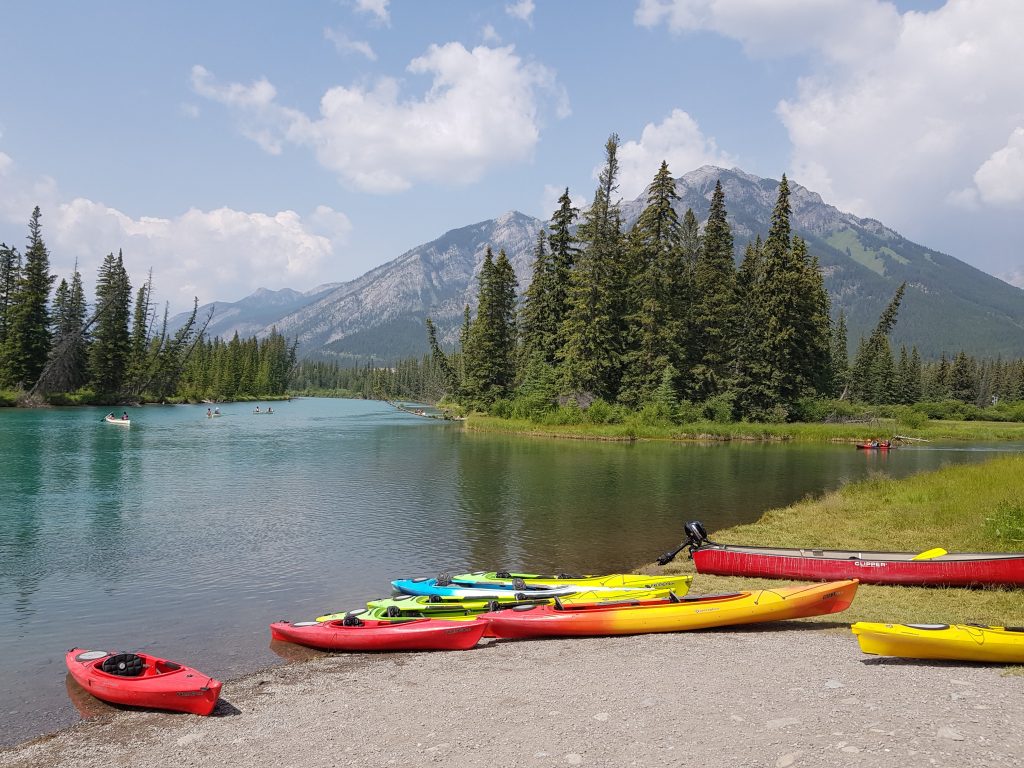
[(691, 612)]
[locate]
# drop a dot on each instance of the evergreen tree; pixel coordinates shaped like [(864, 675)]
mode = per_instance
[(139, 361), (10, 272), (914, 384), (27, 346), (840, 358), (873, 369), (539, 319), (812, 324), (715, 308), (111, 344), (590, 355), (66, 369), (490, 357), (563, 254), (962, 379), (653, 329)]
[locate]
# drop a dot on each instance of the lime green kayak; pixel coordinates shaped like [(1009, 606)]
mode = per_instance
[(422, 606)]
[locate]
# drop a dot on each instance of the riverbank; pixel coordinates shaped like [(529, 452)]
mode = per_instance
[(790, 694), (964, 508), (748, 431), (13, 399)]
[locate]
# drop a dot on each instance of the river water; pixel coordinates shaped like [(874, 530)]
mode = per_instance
[(185, 536)]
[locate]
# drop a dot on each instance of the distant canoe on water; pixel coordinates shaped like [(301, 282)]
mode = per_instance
[(114, 420)]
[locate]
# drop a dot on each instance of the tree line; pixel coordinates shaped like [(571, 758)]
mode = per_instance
[(115, 349)]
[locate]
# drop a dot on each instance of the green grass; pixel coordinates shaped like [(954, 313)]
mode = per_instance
[(964, 508), (709, 430), (8, 398)]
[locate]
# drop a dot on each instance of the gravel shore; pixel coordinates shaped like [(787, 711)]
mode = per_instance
[(790, 694)]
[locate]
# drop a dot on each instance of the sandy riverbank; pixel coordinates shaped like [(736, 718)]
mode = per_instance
[(786, 694)]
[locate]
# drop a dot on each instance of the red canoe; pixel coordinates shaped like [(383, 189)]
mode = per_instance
[(957, 569), (874, 446), (141, 680), (373, 635)]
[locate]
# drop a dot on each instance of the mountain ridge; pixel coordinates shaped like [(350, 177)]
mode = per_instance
[(949, 304)]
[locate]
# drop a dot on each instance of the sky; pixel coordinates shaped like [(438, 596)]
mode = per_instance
[(237, 145)]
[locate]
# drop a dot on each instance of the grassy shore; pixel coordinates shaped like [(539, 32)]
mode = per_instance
[(709, 430), (978, 507)]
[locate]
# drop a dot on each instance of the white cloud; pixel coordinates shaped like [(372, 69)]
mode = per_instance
[(376, 8), (216, 254), (898, 115), (522, 10), (1000, 179), (343, 44), (189, 110), (678, 140), (490, 34), (480, 111)]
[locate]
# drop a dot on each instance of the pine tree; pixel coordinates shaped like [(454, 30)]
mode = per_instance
[(66, 369), (564, 252), (139, 361), (590, 355), (715, 308), (873, 368), (915, 387), (111, 345), (10, 272), (490, 357), (963, 384), (653, 328), (840, 358), (27, 346), (538, 317)]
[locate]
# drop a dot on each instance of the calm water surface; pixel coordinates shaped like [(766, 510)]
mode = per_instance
[(185, 536)]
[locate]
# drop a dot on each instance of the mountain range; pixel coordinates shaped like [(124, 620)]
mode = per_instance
[(949, 305)]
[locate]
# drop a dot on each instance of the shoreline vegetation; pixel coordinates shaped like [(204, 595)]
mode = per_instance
[(710, 431), (963, 508)]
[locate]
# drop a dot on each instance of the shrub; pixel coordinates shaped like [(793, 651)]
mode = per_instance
[(719, 408), (687, 412), (599, 412), (909, 417)]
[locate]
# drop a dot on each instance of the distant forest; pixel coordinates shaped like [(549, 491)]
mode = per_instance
[(55, 350)]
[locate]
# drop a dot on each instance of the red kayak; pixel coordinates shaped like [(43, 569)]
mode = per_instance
[(355, 634), (875, 446), (141, 680), (957, 569)]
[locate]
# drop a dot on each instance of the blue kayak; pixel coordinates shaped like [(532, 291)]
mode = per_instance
[(427, 586)]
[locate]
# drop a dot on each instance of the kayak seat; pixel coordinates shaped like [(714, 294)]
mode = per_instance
[(123, 665)]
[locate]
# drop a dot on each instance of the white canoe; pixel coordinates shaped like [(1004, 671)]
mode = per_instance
[(119, 422)]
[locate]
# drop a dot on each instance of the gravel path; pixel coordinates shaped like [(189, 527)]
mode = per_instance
[(793, 694)]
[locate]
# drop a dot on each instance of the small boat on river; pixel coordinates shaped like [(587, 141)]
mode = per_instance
[(934, 567), (875, 445), (112, 419), (958, 642), (142, 680)]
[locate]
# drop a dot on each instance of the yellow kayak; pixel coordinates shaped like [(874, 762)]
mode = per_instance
[(959, 642)]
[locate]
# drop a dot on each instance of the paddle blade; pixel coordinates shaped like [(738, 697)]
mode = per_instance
[(930, 553)]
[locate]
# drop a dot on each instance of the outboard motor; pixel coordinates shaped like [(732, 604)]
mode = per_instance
[(696, 534), (696, 537)]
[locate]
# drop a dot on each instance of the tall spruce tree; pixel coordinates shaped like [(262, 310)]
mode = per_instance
[(27, 346), (10, 271), (653, 327), (564, 250), (111, 344), (963, 385), (840, 358), (591, 351), (490, 358), (139, 358), (712, 345), (873, 369), (66, 369), (538, 317)]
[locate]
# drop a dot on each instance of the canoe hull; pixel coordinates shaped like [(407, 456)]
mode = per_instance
[(743, 608), (373, 635), (869, 567), (182, 689), (958, 642), (491, 580)]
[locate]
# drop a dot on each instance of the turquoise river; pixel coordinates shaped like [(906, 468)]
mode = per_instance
[(185, 536)]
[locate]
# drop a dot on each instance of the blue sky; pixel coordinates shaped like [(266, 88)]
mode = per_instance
[(236, 145)]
